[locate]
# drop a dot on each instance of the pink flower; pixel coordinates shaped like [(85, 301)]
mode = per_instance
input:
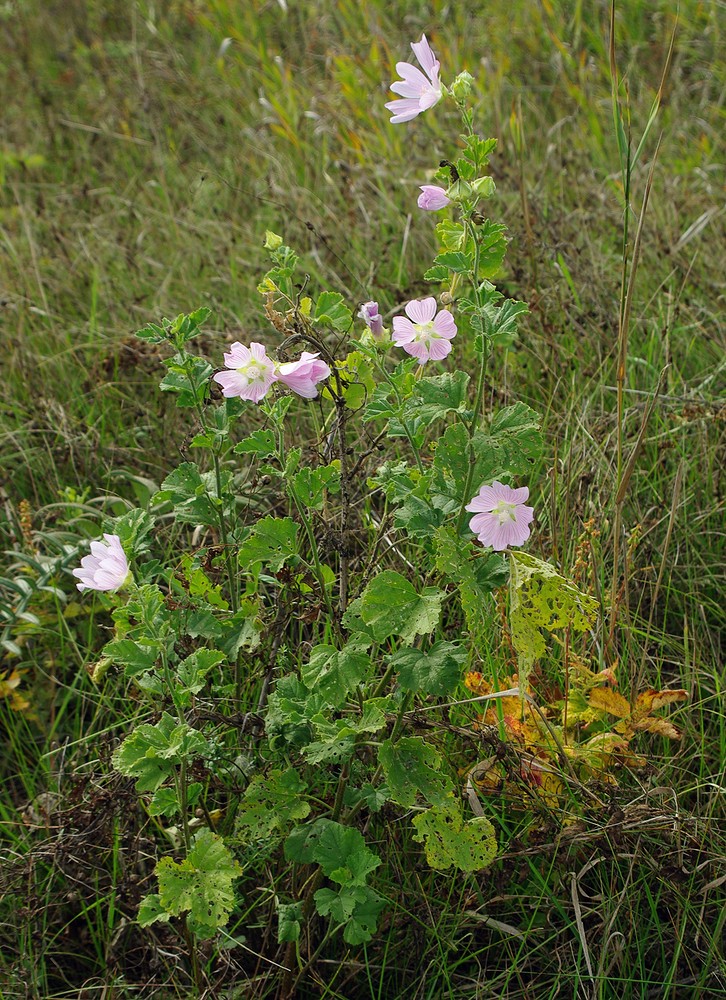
[(418, 92), (302, 376), (426, 334), (368, 312), (250, 375), (501, 517), (432, 198), (106, 568)]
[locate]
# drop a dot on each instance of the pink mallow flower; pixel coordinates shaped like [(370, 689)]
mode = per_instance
[(432, 198), (368, 312), (418, 92), (303, 375), (250, 374), (425, 334), (501, 517), (106, 568)]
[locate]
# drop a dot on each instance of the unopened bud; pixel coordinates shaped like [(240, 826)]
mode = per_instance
[(461, 87), (484, 187)]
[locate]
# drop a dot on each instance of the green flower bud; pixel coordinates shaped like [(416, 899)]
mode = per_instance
[(459, 191), (484, 187), (461, 87), (272, 240)]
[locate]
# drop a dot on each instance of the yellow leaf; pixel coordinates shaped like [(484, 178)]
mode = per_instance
[(607, 700)]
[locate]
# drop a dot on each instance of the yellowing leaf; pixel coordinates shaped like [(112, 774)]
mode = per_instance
[(607, 700)]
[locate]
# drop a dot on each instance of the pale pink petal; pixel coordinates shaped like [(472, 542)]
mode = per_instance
[(403, 110), (258, 352), (412, 77), (428, 99), (421, 310), (486, 499), (238, 356), (417, 349), (424, 53), (438, 349), (444, 324), (403, 331), (233, 384), (519, 496)]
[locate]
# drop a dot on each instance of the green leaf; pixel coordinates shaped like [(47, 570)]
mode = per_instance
[(331, 310), (270, 803), (193, 495), (261, 443), (437, 273), (150, 911), (151, 754), (412, 767), (542, 599), (187, 378), (502, 322), (192, 673), (289, 921), (134, 656), (343, 855), (382, 404), (290, 711), (449, 840), (272, 541), (310, 484), (493, 248), (436, 672), (455, 261), (515, 438), (479, 150), (356, 907), (475, 577), (201, 885), (362, 925), (333, 673), (164, 802), (452, 235), (437, 395), (337, 739), (391, 606)]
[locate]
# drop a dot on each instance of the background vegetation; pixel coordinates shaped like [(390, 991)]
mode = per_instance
[(145, 149)]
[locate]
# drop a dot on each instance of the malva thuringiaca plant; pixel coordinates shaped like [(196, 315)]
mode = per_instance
[(316, 605)]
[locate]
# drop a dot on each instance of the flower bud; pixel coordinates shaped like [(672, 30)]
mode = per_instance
[(484, 187), (368, 312), (432, 198), (272, 240), (461, 87)]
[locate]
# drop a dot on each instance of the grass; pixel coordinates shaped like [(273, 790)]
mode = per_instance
[(143, 156)]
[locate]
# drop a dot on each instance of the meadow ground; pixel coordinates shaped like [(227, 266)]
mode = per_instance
[(145, 149)]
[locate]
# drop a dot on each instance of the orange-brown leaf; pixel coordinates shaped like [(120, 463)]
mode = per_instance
[(650, 701), (661, 727)]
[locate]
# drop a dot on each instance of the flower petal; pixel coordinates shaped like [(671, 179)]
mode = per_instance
[(438, 349), (425, 55), (403, 110), (403, 331), (421, 310), (444, 324)]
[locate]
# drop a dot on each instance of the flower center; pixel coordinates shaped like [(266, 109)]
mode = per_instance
[(253, 370), (425, 331), (505, 511)]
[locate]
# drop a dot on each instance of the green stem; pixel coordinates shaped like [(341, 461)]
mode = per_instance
[(481, 381)]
